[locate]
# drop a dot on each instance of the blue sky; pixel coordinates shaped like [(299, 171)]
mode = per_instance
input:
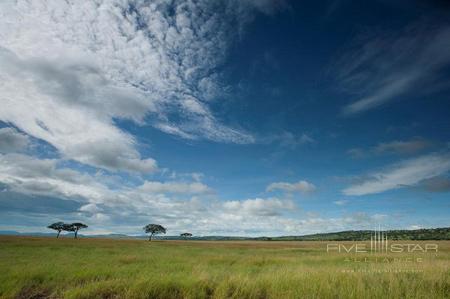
[(255, 117)]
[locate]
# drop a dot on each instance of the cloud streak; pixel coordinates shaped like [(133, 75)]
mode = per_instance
[(384, 68), (398, 147), (404, 174)]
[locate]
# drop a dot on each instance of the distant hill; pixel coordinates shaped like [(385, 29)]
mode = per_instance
[(351, 235), (364, 235)]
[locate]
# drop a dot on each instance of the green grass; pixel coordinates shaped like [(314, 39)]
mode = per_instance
[(102, 268)]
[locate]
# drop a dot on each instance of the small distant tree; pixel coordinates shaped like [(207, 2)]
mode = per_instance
[(186, 235), (74, 227), (154, 229), (58, 226)]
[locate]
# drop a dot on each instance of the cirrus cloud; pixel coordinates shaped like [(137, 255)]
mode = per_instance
[(399, 147), (380, 69), (406, 173)]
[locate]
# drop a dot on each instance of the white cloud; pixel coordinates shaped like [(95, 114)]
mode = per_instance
[(289, 140), (384, 68), (126, 209), (300, 186), (414, 227), (341, 202), (69, 69), (90, 208), (407, 173), (175, 187), (12, 141), (28, 175), (258, 206)]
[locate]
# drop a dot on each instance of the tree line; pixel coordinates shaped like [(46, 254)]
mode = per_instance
[(151, 229)]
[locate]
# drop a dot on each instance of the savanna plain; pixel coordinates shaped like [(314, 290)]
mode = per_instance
[(32, 267)]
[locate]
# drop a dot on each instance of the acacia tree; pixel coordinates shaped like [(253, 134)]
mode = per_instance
[(186, 235), (154, 229), (74, 227), (58, 226)]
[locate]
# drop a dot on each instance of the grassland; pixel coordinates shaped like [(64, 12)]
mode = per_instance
[(105, 268)]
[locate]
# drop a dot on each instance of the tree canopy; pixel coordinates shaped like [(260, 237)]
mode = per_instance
[(58, 226), (186, 235), (154, 229), (68, 227), (74, 227)]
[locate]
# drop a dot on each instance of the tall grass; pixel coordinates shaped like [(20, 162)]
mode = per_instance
[(95, 268)]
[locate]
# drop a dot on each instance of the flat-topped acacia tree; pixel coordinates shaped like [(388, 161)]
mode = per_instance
[(154, 229), (74, 227), (58, 226), (186, 235)]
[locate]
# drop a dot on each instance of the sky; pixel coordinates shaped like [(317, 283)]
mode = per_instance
[(226, 117)]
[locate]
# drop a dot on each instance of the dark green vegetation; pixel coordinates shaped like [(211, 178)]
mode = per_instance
[(357, 235), (364, 235), (34, 267)]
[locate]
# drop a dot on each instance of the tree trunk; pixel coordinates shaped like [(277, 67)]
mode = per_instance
[(150, 237), (76, 234), (57, 236)]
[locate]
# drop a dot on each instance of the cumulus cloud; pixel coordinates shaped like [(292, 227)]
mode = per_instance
[(407, 173), (300, 186), (88, 199), (380, 69), (69, 69), (28, 175), (12, 141), (82, 134), (259, 206), (124, 209)]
